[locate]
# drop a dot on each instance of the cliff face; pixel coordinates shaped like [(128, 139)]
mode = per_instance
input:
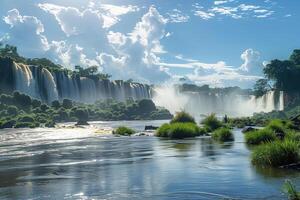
[(291, 99), (40, 83)]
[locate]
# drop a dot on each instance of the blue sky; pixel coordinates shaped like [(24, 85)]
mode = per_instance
[(221, 42)]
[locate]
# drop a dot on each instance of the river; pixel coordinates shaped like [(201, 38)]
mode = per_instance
[(81, 163)]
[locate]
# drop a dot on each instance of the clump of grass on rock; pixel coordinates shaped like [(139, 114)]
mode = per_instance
[(211, 123), (125, 131), (260, 136), (183, 117), (179, 130), (223, 135), (277, 153)]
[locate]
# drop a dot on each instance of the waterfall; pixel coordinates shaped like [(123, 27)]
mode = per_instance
[(88, 90), (281, 100), (50, 85), (40, 83), (232, 104), (24, 81)]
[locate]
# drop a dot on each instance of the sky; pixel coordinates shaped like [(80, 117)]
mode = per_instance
[(217, 42)]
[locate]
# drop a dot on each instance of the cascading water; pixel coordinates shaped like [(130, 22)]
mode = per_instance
[(24, 81), (50, 85), (40, 83), (232, 104)]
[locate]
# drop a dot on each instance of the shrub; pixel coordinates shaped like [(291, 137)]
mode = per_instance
[(211, 122), (163, 130), (122, 130), (183, 117), (26, 118), (277, 126), (55, 104), (67, 104), (222, 135), (277, 153), (50, 124), (260, 136), (82, 115), (36, 103), (293, 135), (7, 124), (12, 110), (22, 99), (179, 130), (26, 125)]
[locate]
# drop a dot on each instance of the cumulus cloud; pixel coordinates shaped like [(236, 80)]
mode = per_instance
[(25, 30), (252, 63), (70, 55), (137, 51)]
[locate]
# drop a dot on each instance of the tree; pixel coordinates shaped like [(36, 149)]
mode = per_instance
[(55, 104), (295, 57), (146, 105), (36, 103), (12, 110), (44, 107), (261, 87), (67, 104), (285, 74), (22, 99), (82, 115)]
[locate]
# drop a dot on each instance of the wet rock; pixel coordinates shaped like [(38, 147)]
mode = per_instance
[(150, 128)]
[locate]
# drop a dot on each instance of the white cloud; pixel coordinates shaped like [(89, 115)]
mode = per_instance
[(26, 32), (265, 15), (137, 52), (222, 2), (176, 16), (220, 74), (70, 55), (233, 9), (252, 63), (204, 15), (116, 38)]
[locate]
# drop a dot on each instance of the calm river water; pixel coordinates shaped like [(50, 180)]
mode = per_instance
[(81, 163)]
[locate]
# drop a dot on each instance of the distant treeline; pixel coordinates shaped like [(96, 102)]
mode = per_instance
[(20, 110)]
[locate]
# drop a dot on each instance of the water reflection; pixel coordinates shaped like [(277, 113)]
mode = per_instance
[(59, 165)]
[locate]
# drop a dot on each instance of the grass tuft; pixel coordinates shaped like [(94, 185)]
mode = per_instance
[(260, 136), (212, 123), (222, 135), (275, 154), (179, 130), (183, 117), (122, 130)]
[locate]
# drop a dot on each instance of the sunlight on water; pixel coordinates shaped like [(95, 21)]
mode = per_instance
[(38, 163)]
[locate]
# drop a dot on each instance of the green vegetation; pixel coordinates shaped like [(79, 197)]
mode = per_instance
[(181, 126), (11, 52), (179, 130), (183, 117), (122, 130), (276, 154), (222, 135), (20, 110), (259, 136), (291, 191), (211, 123)]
